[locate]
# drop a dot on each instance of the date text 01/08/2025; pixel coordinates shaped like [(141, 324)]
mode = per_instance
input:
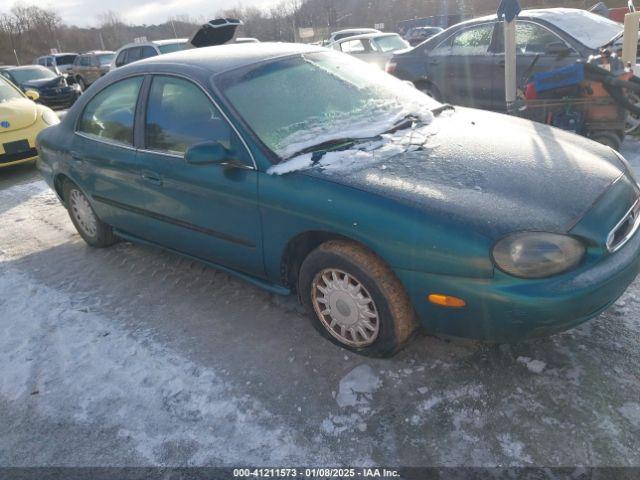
[(314, 473)]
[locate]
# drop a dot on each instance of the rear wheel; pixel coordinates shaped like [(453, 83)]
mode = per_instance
[(92, 230), (81, 83), (608, 138), (355, 300)]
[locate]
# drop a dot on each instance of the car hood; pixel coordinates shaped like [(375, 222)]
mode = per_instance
[(495, 173), (17, 114), (42, 83)]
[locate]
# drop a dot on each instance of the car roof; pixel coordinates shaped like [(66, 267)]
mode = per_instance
[(367, 35), (348, 30), (157, 43), (26, 67), (221, 58), (98, 52)]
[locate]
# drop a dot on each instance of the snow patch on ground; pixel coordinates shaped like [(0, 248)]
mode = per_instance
[(535, 366), (631, 411), (358, 387), (76, 365)]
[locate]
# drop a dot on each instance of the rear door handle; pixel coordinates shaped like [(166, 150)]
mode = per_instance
[(152, 177)]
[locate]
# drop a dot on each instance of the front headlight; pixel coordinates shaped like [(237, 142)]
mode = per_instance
[(50, 118), (537, 254)]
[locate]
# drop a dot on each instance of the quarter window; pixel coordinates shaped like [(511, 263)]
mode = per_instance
[(110, 114), (180, 115)]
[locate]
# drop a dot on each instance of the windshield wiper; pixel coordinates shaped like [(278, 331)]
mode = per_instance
[(330, 145), (438, 110)]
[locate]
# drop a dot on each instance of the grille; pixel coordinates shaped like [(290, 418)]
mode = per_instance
[(625, 228)]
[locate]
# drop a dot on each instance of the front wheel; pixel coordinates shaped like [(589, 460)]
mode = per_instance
[(92, 230), (355, 300)]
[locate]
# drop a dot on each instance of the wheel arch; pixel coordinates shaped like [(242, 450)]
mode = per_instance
[(301, 245), (58, 183)]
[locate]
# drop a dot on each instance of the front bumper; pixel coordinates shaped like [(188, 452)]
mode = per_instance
[(6, 159), (506, 309)]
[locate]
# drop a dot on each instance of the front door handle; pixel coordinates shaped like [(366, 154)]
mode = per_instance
[(77, 159), (152, 177)]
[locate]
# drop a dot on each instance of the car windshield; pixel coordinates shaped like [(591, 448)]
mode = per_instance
[(298, 102), (65, 59), (171, 47), (391, 43), (106, 58), (591, 30), (22, 75), (8, 92)]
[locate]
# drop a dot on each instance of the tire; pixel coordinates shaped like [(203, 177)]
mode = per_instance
[(429, 89), (92, 230), (610, 139), (363, 295), (81, 83)]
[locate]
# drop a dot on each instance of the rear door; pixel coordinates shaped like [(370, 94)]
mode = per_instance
[(103, 158), (208, 211)]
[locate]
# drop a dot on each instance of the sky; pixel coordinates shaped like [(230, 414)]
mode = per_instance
[(85, 12)]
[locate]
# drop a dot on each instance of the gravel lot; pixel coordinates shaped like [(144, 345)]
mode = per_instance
[(133, 356)]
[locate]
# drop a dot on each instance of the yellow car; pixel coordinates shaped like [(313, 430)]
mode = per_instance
[(21, 119)]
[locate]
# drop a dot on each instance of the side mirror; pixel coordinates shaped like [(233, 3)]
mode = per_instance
[(557, 48), (32, 95), (207, 153)]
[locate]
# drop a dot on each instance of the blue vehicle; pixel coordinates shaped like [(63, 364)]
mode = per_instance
[(306, 171)]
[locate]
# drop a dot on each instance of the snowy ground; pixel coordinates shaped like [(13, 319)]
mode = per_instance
[(131, 356)]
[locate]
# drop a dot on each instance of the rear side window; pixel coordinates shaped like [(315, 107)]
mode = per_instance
[(353, 46), (472, 41), (148, 52), (180, 115), (133, 55), (110, 114), (85, 61), (122, 58)]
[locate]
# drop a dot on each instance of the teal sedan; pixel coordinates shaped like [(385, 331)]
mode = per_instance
[(308, 172)]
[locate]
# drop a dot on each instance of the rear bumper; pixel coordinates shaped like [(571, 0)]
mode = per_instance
[(506, 309)]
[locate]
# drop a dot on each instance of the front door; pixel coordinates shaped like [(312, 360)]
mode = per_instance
[(208, 211), (532, 40)]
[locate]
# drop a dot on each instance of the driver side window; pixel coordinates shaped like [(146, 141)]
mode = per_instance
[(533, 39), (110, 114), (180, 115)]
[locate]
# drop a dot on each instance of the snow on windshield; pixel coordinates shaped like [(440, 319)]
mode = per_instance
[(590, 29), (363, 154), (299, 102)]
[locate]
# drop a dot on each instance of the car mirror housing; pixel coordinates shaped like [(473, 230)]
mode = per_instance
[(32, 95), (207, 153)]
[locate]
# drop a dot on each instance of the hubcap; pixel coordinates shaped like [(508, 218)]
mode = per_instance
[(82, 213), (345, 308)]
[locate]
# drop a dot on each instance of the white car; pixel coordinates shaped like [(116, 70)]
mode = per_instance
[(349, 32), (374, 48), (132, 52)]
